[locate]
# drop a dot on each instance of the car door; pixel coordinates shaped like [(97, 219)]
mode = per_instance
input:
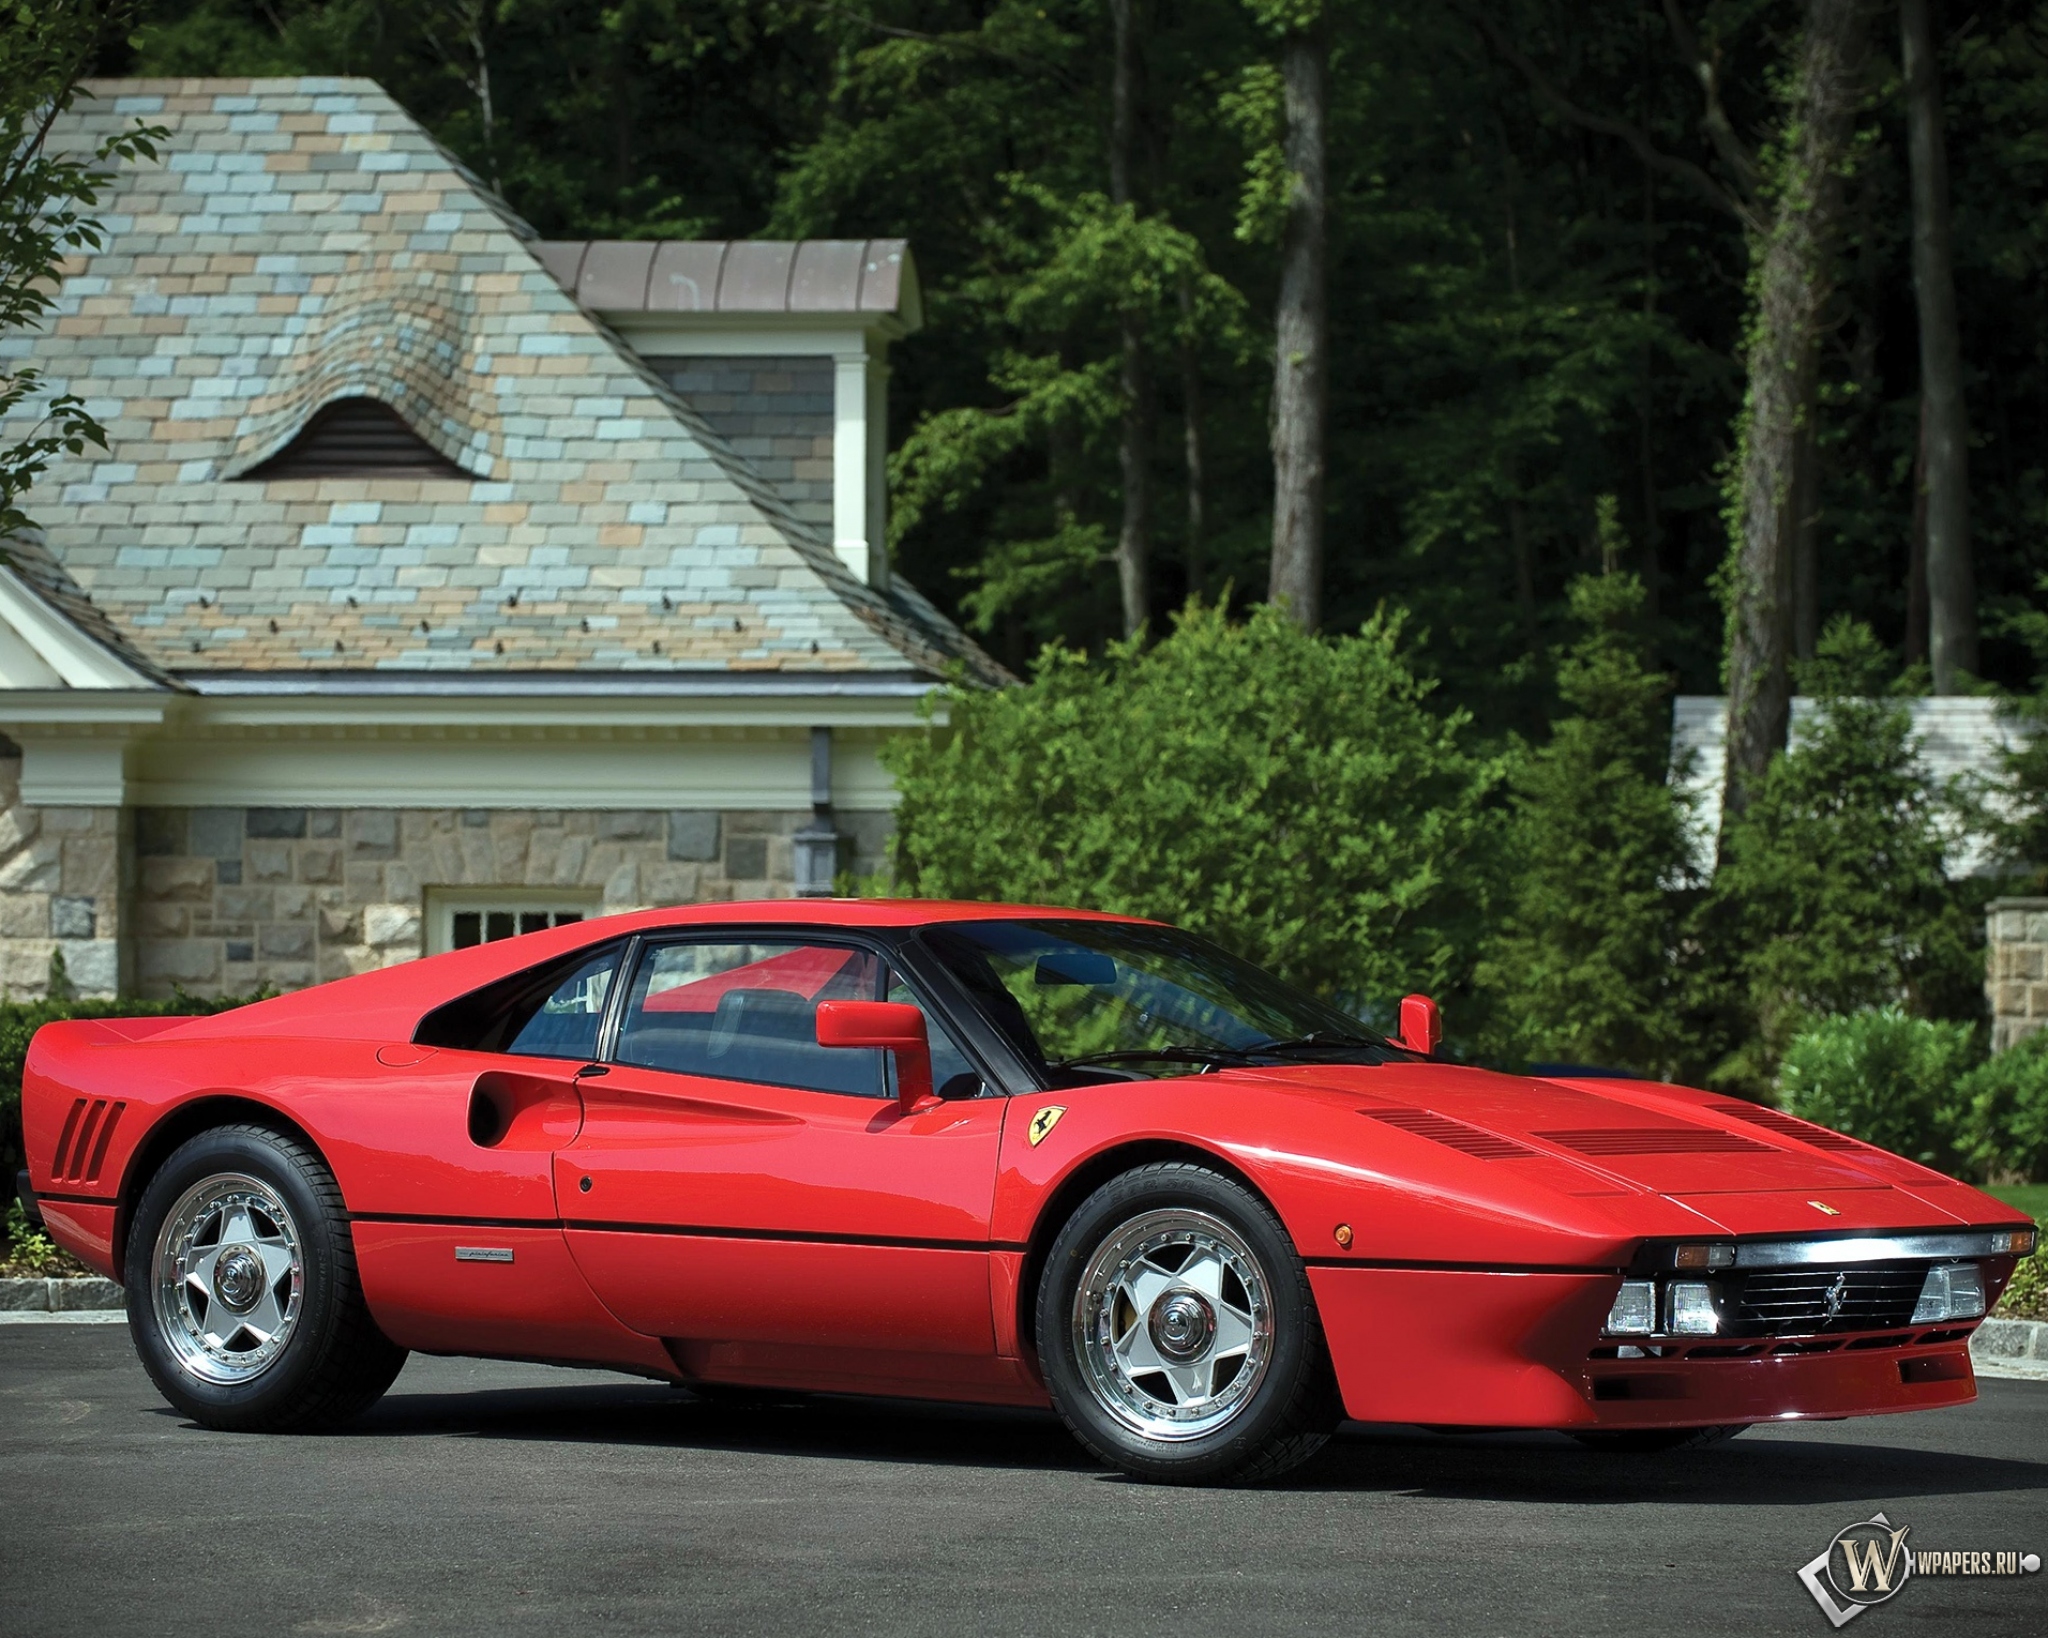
[(758, 1199), (455, 1221)]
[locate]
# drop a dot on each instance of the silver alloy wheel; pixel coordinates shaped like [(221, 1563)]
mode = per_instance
[(1173, 1324), (230, 1278)]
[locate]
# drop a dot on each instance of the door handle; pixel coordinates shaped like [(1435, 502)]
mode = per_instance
[(592, 1071)]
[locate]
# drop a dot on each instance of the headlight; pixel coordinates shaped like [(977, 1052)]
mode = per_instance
[(1691, 1309), (1953, 1291), (1703, 1257), (1634, 1313)]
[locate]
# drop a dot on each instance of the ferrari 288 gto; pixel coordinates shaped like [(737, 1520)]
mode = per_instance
[(980, 1153)]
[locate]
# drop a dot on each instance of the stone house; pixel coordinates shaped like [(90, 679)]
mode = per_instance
[(437, 582)]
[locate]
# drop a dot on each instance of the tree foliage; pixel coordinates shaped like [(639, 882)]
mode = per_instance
[(1833, 894), (1294, 798), (1585, 965), (46, 205)]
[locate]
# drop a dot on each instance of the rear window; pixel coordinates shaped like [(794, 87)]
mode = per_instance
[(553, 1011)]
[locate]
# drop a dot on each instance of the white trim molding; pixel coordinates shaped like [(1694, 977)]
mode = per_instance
[(40, 649)]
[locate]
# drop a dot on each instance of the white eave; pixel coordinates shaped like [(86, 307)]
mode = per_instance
[(41, 650)]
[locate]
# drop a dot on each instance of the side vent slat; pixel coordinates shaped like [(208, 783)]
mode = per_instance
[(64, 1137), (1454, 1134), (99, 1149), (1780, 1124), (82, 1145), (82, 1149), (1654, 1140)]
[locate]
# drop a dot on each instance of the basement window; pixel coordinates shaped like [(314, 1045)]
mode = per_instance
[(459, 923)]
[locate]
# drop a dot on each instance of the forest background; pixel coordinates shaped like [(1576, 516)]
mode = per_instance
[(1356, 421)]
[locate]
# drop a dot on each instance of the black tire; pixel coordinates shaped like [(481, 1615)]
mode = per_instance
[(332, 1362), (1649, 1441), (1288, 1411)]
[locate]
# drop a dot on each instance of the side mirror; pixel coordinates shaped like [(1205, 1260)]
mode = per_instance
[(1422, 1026), (886, 1026)]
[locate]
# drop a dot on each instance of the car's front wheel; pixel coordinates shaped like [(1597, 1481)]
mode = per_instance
[(1178, 1334), (243, 1297)]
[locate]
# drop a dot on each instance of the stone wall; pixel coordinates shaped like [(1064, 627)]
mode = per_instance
[(776, 412), (63, 889), (2016, 968), (222, 900)]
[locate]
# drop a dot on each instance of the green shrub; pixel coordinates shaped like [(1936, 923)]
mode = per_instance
[(1293, 797), (31, 1253), (19, 1021), (2027, 1296), (1833, 895), (1581, 967), (1885, 1077), (2006, 1100)]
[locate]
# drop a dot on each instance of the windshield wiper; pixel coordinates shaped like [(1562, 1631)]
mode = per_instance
[(1317, 1038), (1171, 1055)]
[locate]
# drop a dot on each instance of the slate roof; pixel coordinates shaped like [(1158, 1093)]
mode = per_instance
[(304, 240)]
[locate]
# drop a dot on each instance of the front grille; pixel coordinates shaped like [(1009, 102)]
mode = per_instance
[(1786, 1302)]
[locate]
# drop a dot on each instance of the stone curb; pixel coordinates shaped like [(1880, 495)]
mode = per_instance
[(2011, 1342), (59, 1296)]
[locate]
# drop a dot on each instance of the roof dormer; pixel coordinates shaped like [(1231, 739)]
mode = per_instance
[(782, 346)]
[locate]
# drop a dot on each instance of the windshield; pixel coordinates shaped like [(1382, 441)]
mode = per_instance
[(1139, 999)]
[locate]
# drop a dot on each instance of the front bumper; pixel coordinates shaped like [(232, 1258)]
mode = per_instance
[(1476, 1349)]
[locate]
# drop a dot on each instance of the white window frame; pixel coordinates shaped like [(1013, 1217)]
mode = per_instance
[(445, 904)]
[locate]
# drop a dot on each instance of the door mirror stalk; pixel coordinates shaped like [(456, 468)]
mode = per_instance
[(1422, 1025)]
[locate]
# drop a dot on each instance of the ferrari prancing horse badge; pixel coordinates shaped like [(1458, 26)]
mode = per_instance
[(1044, 1121)]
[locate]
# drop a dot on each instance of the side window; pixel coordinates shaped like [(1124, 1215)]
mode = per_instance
[(545, 1012), (749, 1012), (948, 1060), (565, 1025)]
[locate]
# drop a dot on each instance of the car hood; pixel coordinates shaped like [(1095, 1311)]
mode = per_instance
[(1741, 1167)]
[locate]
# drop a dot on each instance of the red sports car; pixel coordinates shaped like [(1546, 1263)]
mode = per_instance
[(971, 1152)]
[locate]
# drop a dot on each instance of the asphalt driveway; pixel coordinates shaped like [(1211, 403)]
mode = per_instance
[(495, 1498)]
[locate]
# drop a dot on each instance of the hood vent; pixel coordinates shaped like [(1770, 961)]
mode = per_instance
[(1454, 1134), (1654, 1140), (1780, 1124)]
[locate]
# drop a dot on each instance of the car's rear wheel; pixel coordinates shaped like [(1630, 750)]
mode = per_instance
[(1647, 1441), (243, 1297), (1178, 1334)]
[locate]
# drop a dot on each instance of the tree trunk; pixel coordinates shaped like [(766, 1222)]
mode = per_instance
[(1916, 552), (1134, 451), (1525, 562), (1805, 525), (1791, 283), (1951, 577), (1302, 331), (1193, 451)]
